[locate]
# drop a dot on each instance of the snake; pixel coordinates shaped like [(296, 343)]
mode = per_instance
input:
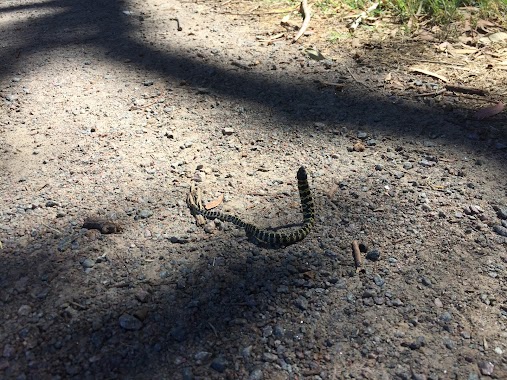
[(267, 237)]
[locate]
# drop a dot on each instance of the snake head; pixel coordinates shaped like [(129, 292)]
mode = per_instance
[(302, 176)]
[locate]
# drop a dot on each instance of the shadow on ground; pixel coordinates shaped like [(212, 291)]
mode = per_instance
[(293, 99)]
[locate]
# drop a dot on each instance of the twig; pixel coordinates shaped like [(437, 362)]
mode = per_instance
[(354, 24), (357, 256), (465, 90), (213, 328), (52, 229), (177, 22), (305, 10), (430, 93), (431, 61)]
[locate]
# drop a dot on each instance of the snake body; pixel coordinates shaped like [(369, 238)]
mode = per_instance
[(268, 237)]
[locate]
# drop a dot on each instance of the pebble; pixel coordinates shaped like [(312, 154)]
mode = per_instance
[(219, 364), (486, 368), (301, 302), (438, 303), (500, 230), (373, 255), (227, 131), (426, 163), (449, 343), (24, 310), (269, 357), (398, 174), (129, 322), (407, 165), (256, 374), (142, 295), (144, 214), (418, 343), (202, 356), (379, 281), (88, 263), (501, 212), (446, 317)]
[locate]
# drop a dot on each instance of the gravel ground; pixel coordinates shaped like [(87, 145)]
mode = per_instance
[(108, 112)]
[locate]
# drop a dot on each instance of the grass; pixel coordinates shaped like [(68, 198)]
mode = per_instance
[(438, 12)]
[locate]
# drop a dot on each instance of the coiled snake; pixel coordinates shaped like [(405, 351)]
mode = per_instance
[(267, 237)]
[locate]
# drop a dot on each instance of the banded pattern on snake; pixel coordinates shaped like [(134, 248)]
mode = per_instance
[(266, 236)]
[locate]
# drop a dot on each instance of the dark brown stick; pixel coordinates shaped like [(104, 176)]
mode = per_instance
[(465, 90), (358, 261)]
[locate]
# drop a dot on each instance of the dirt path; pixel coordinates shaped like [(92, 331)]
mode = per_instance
[(109, 112)]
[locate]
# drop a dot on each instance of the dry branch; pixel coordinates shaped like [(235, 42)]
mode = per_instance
[(305, 10), (356, 252)]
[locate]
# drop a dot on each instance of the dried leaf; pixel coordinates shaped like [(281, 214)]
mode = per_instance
[(489, 111), (214, 203), (429, 73)]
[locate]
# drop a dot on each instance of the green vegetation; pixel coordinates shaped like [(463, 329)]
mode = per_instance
[(439, 12)]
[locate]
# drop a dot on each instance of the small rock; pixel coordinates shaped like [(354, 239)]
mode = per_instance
[(373, 255), (219, 364), (379, 281), (129, 322), (474, 209), (227, 131), (267, 331), (202, 356), (24, 310), (269, 357), (486, 368), (145, 214), (407, 165), (438, 303), (88, 263), (142, 295), (301, 302), (199, 176), (398, 175), (426, 282), (418, 343), (501, 212), (449, 343), (446, 317), (500, 230), (362, 135), (256, 374), (426, 163)]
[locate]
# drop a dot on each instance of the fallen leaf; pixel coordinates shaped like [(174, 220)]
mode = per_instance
[(314, 54), (429, 73), (489, 111), (214, 203)]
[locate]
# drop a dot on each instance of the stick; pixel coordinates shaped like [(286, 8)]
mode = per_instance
[(357, 256), (305, 10), (430, 93), (465, 90), (177, 22)]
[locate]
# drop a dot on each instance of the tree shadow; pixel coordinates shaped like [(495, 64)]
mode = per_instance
[(292, 98)]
